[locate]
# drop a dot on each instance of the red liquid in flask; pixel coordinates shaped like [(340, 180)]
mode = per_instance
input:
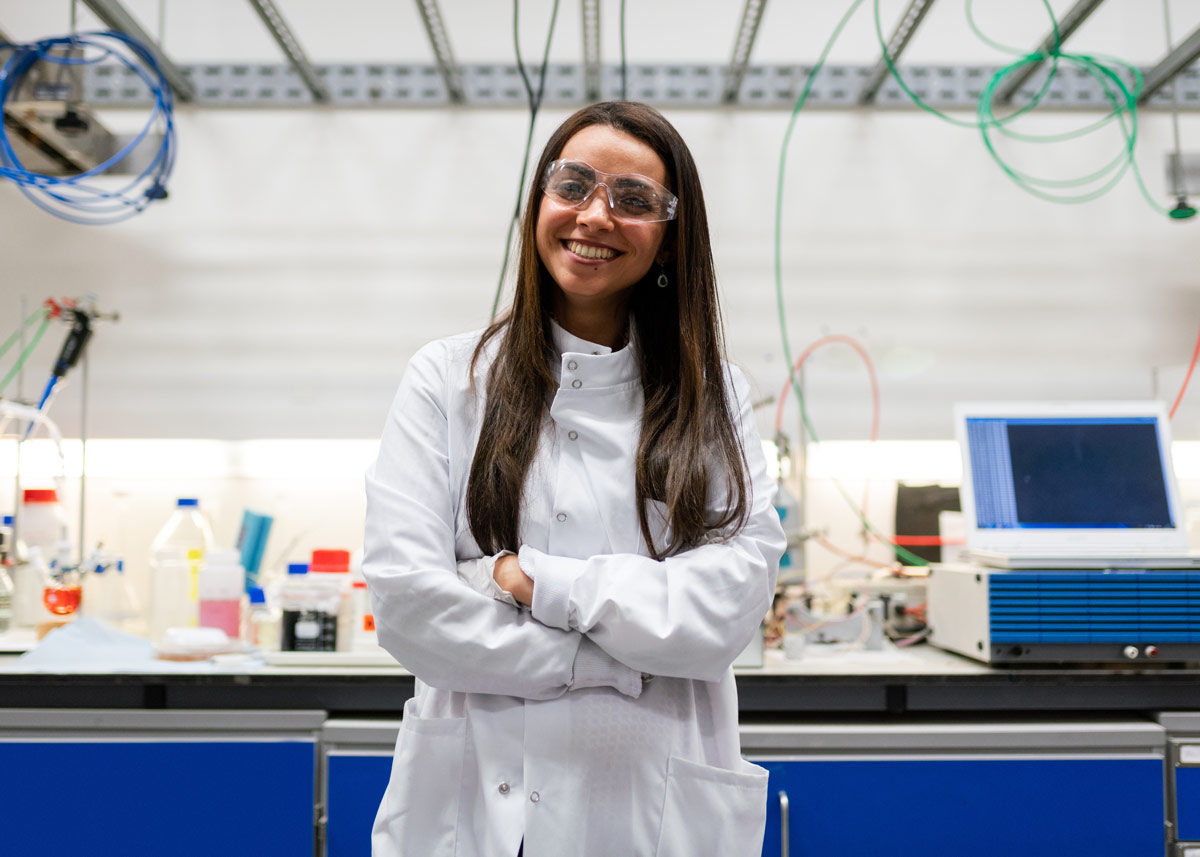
[(62, 600)]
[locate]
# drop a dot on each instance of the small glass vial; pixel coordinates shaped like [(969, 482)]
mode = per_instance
[(262, 622)]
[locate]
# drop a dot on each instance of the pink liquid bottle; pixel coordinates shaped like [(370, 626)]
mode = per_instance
[(221, 586)]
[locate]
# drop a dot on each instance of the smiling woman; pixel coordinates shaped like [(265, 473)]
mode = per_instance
[(565, 506), (596, 246)]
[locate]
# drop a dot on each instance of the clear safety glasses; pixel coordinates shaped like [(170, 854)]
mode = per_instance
[(631, 198)]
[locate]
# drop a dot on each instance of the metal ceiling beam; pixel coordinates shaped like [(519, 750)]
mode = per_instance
[(742, 48), (113, 14), (431, 16), (895, 46), (1070, 22), (1180, 57), (592, 82), (282, 34)]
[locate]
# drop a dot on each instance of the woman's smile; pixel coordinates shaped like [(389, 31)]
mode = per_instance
[(589, 252)]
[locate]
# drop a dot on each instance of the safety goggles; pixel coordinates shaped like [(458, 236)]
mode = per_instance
[(631, 198)]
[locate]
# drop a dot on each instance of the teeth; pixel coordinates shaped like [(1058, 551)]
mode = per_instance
[(589, 252)]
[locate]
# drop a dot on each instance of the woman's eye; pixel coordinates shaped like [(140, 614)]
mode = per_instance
[(636, 204), (571, 190)]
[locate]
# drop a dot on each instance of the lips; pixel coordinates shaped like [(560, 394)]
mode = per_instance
[(591, 251)]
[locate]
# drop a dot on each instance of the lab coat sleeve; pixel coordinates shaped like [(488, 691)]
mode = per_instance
[(687, 616), (426, 616)]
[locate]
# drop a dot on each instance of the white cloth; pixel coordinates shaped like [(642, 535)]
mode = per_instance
[(537, 725)]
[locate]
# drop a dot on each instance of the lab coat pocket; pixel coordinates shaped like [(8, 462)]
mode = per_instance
[(712, 810), (419, 812)]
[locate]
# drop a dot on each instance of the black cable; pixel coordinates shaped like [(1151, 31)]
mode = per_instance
[(624, 68), (535, 103)]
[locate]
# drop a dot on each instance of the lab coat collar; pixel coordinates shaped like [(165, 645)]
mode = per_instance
[(599, 364)]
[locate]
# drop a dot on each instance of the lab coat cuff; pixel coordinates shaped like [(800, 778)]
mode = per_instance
[(552, 578), (478, 574), (595, 667)]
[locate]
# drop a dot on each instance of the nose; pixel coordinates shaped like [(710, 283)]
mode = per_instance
[(595, 211)]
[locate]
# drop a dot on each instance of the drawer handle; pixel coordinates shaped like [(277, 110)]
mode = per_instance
[(783, 824)]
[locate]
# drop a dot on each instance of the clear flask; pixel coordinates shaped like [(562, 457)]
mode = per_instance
[(108, 595)]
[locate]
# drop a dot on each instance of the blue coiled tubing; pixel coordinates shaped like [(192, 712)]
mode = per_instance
[(78, 198)]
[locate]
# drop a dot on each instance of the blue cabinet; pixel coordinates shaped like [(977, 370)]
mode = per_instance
[(981, 807), (1034, 789), (1187, 802), (81, 788), (354, 786)]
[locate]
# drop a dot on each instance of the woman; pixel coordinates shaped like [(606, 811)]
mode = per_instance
[(576, 698)]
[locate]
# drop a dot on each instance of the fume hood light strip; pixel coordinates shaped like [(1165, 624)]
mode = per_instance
[(672, 85)]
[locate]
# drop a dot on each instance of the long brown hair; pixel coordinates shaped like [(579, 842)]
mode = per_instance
[(688, 434)]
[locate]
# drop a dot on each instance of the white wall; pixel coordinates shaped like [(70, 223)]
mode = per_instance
[(303, 256)]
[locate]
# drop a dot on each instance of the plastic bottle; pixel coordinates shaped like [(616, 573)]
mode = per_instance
[(6, 600), (221, 586), (6, 583), (7, 548), (43, 521), (310, 605), (175, 556), (293, 595), (262, 622), (363, 635), (331, 568)]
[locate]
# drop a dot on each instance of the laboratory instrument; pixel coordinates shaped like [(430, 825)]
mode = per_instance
[(1130, 615)]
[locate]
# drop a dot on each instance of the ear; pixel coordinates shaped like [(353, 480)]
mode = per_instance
[(666, 253)]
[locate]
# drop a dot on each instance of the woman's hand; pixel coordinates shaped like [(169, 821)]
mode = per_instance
[(509, 576)]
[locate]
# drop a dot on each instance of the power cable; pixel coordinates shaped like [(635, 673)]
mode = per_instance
[(624, 67), (42, 314), (535, 103), (1186, 378)]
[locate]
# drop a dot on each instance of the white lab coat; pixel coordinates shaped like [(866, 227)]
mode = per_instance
[(539, 725)]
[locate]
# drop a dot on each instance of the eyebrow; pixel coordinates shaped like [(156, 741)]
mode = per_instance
[(581, 169), (633, 181)]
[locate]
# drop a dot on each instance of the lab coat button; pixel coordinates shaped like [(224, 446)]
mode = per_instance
[(561, 517), (504, 788), (571, 364), (576, 383), (535, 797), (573, 435)]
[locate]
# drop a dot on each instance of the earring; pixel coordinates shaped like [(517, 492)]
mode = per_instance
[(662, 277)]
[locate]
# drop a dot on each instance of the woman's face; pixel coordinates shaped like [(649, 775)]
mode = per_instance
[(618, 253)]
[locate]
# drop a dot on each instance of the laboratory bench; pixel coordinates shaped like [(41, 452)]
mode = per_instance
[(919, 681), (906, 752)]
